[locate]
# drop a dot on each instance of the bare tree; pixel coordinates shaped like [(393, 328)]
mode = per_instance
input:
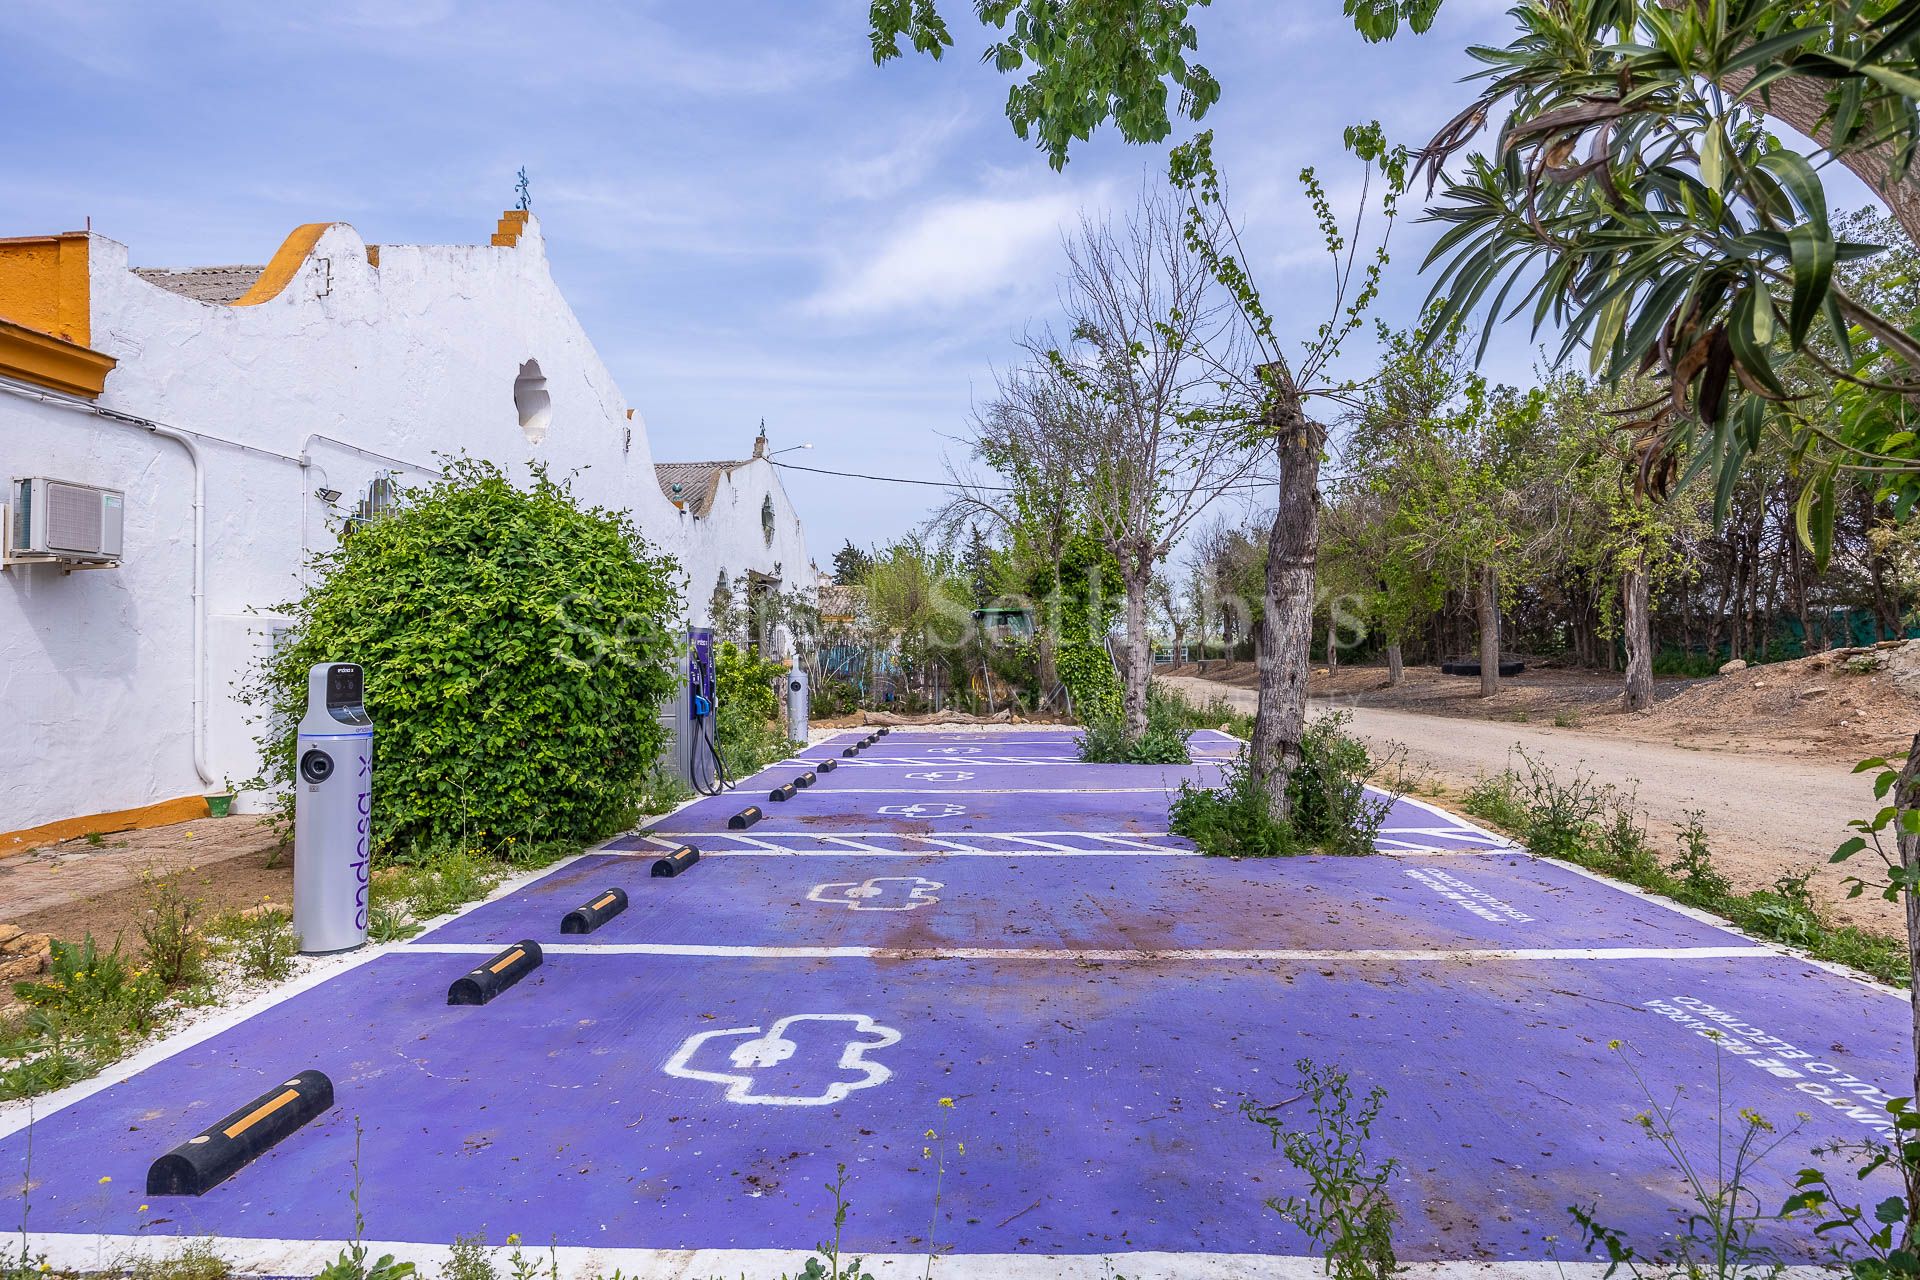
[(1125, 412)]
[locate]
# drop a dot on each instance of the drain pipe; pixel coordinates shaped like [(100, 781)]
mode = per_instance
[(200, 765)]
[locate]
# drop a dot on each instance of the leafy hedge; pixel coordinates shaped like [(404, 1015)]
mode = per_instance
[(516, 647), (1086, 607), (745, 705)]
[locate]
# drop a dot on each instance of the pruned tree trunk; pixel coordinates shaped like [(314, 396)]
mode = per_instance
[(1139, 664), (1047, 668), (1639, 625), (1396, 666), (1333, 647), (1489, 631), (1286, 621)]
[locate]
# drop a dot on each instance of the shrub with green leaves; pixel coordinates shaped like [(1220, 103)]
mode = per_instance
[(744, 709), (1164, 741), (516, 646), (1332, 811)]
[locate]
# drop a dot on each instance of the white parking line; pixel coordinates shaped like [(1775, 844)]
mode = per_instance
[(990, 791), (77, 1252), (721, 951)]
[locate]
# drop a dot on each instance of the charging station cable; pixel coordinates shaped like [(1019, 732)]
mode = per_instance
[(716, 781)]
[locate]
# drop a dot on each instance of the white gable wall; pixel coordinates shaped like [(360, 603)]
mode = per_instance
[(360, 371)]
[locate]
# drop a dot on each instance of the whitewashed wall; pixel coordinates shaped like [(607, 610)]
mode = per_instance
[(362, 371)]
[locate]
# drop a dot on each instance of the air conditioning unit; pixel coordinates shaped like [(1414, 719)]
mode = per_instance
[(62, 521)]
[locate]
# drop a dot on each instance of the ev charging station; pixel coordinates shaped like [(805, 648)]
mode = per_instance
[(797, 704), (333, 811), (689, 719)]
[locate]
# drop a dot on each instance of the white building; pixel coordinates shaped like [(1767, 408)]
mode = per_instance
[(244, 411)]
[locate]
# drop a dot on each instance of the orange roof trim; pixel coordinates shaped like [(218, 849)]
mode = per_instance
[(287, 261)]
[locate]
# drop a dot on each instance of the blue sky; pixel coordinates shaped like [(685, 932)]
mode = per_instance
[(751, 219)]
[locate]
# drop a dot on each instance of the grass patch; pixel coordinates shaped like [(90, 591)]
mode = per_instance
[(88, 1009), (1596, 825), (1217, 714), (260, 942), (195, 1260)]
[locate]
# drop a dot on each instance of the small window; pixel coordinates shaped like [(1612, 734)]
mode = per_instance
[(766, 518), (374, 503), (532, 403)]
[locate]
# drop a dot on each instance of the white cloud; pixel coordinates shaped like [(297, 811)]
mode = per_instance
[(952, 252), (887, 170)]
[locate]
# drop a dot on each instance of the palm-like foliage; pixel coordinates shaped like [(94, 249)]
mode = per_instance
[(1635, 201)]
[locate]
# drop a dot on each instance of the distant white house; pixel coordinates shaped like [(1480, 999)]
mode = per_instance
[(244, 411)]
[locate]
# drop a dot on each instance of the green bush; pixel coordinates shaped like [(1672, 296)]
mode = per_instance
[(1082, 604), (829, 699), (516, 649), (1328, 792), (1232, 820), (744, 708), (1331, 811), (1105, 741)]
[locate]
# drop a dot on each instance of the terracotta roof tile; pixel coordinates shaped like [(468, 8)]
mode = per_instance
[(203, 284)]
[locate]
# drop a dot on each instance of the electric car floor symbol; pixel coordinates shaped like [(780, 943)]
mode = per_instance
[(922, 809), (831, 1064), (881, 893), (953, 751), (938, 775)]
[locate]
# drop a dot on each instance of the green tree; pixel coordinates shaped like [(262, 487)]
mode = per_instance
[(515, 645), (850, 564), (919, 601), (977, 564), (1634, 197), (1636, 200), (1128, 406)]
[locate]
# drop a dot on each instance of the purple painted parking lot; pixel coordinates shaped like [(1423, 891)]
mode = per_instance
[(1095, 999), (1093, 901)]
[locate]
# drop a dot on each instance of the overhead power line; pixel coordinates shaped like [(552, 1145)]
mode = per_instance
[(856, 475), (958, 484)]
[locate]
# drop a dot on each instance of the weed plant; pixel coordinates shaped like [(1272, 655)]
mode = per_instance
[(175, 947), (261, 944), (1347, 1210)]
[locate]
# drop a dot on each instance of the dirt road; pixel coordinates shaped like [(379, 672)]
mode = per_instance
[(1766, 816)]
